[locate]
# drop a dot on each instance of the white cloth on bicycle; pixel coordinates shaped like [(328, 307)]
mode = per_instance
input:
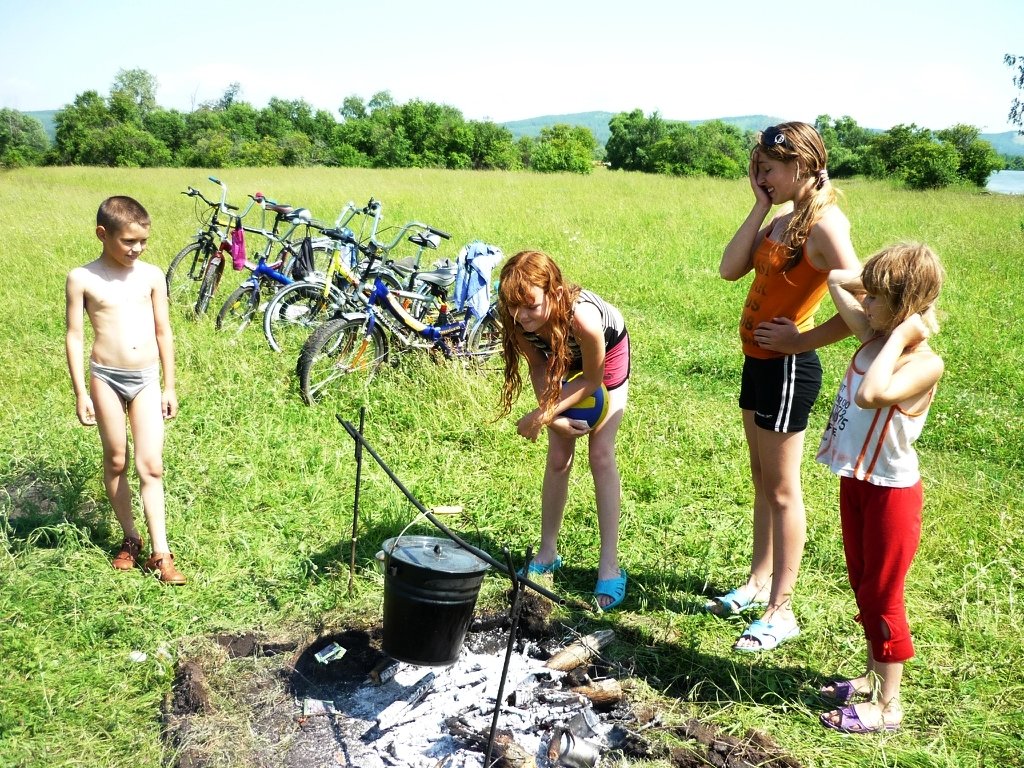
[(475, 263)]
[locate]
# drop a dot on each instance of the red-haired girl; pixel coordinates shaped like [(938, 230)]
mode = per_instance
[(561, 329)]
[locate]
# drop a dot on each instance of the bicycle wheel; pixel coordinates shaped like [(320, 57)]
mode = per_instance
[(484, 338), (295, 311), (211, 279), (240, 308), (185, 272), (335, 349)]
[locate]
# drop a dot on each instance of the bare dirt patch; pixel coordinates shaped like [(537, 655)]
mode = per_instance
[(256, 700)]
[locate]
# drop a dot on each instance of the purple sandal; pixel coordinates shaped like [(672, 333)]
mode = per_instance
[(842, 692), (850, 722)]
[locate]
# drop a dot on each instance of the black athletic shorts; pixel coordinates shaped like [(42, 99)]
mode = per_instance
[(781, 390)]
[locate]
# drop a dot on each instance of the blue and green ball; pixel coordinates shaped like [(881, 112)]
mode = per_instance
[(591, 409)]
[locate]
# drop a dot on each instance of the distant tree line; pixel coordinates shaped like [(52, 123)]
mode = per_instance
[(129, 128), (920, 158)]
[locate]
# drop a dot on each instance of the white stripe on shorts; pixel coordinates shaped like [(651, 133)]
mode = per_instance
[(788, 387)]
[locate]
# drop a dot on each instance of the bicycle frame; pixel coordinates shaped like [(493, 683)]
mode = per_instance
[(410, 332), (215, 264), (262, 270)]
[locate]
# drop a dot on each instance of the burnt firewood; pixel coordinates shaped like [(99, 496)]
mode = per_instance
[(582, 651), (505, 752)]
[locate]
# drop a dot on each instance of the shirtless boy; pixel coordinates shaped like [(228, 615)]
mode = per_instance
[(126, 301)]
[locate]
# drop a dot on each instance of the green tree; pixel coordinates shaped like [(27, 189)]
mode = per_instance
[(229, 97), (167, 125), (1016, 116), (978, 158), (296, 149), (208, 148), (712, 148), (931, 165), (632, 140), (846, 143), (562, 147), (133, 95), (240, 119), (264, 152), (79, 128), (129, 146), (892, 150), (494, 147), (281, 116), (380, 102), (23, 140), (352, 108)]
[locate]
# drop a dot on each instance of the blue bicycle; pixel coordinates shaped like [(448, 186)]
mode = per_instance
[(355, 342)]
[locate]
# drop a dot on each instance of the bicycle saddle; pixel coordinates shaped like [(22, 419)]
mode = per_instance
[(440, 278), (295, 214)]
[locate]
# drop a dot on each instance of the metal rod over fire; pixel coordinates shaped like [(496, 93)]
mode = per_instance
[(357, 435)]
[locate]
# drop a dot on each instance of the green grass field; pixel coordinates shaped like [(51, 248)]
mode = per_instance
[(259, 486)]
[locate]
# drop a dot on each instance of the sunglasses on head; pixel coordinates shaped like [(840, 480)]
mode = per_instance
[(772, 136)]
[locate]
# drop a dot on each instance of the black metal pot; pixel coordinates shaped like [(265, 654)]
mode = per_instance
[(430, 590)]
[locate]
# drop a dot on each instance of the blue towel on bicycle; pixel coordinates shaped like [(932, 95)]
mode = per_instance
[(475, 263)]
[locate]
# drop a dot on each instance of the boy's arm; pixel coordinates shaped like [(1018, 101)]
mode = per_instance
[(886, 382), (165, 344), (74, 346)]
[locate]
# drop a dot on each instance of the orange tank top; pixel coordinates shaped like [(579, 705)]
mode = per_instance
[(795, 294)]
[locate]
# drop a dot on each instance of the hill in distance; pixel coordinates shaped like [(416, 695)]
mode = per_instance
[(46, 118), (597, 122), (1008, 143)]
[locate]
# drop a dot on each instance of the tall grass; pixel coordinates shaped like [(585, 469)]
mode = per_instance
[(259, 487)]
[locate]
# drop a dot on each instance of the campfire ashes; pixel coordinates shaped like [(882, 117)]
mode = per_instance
[(344, 703)]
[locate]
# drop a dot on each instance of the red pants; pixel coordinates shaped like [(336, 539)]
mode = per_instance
[(881, 531)]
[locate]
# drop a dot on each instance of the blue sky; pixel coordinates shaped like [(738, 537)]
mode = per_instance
[(882, 62)]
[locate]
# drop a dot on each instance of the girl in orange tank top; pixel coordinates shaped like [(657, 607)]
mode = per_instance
[(790, 256)]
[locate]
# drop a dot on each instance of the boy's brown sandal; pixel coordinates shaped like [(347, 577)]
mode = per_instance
[(128, 557), (161, 565)]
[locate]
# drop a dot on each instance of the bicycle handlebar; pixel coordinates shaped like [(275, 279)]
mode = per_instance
[(223, 205)]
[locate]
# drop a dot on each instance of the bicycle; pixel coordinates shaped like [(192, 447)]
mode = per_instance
[(361, 341), (264, 279), (293, 217), (296, 310), (206, 243)]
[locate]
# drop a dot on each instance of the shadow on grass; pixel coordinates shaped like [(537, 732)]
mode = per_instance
[(677, 669), (39, 503)]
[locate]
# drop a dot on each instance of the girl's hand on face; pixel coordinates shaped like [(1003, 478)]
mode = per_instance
[(529, 426), (760, 193)]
